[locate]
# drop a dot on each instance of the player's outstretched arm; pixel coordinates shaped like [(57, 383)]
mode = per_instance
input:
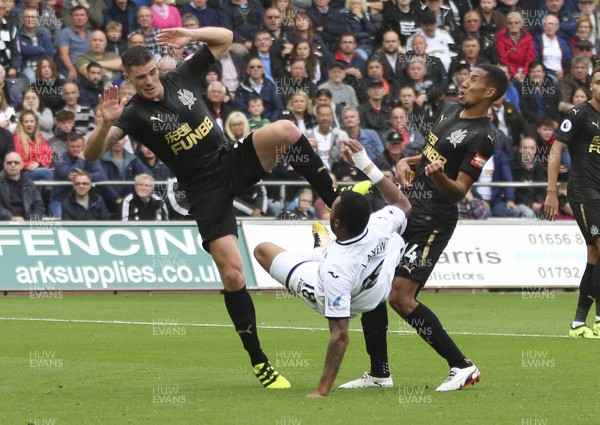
[(551, 203), (105, 134), (338, 342), (217, 39), (354, 153)]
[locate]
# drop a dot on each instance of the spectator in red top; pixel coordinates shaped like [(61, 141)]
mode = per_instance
[(33, 148), (584, 30), (515, 46)]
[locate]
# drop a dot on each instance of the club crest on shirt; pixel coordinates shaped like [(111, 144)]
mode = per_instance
[(187, 98), (457, 137)]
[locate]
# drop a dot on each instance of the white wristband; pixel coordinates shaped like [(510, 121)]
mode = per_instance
[(375, 174), (361, 160), (364, 164)]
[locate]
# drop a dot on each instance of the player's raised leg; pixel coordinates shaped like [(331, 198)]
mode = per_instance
[(240, 307), (265, 253), (282, 140)]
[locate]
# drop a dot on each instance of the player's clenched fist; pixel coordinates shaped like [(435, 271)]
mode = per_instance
[(435, 168)]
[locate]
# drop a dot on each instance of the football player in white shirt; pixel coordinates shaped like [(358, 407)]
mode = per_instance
[(353, 274)]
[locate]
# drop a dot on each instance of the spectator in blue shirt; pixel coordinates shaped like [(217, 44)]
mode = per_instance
[(83, 203), (73, 41), (120, 165), (368, 138), (66, 168), (256, 84)]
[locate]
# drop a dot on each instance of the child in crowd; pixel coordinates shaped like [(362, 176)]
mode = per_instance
[(65, 123), (114, 31), (545, 139), (256, 109)]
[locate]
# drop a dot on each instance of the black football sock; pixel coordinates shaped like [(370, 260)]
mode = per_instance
[(596, 287), (375, 325), (428, 327), (241, 310), (585, 300), (309, 165)]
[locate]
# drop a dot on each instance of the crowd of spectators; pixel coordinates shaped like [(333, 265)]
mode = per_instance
[(375, 71)]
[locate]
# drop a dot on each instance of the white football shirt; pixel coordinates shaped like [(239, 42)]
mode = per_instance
[(355, 276)]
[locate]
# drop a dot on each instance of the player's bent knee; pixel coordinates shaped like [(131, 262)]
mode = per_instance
[(233, 278), (289, 131), (265, 253), (396, 304), (260, 253), (402, 303)]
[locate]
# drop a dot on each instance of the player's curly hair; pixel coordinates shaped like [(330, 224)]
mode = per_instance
[(135, 56)]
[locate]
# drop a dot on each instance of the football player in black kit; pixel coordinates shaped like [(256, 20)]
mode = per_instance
[(168, 115), (580, 133), (458, 147)]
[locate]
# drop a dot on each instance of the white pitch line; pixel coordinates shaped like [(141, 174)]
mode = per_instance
[(218, 325)]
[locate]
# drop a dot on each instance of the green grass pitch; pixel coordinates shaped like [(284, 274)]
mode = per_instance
[(160, 363)]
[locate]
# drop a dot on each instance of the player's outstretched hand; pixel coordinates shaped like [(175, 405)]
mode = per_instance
[(110, 106), (177, 37), (404, 174), (348, 148), (551, 205), (353, 145)]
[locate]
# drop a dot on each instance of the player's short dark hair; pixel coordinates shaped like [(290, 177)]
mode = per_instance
[(596, 69), (135, 56), (495, 78), (353, 211)]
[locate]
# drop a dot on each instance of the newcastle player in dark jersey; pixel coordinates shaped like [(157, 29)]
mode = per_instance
[(168, 115), (458, 146), (580, 133)]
